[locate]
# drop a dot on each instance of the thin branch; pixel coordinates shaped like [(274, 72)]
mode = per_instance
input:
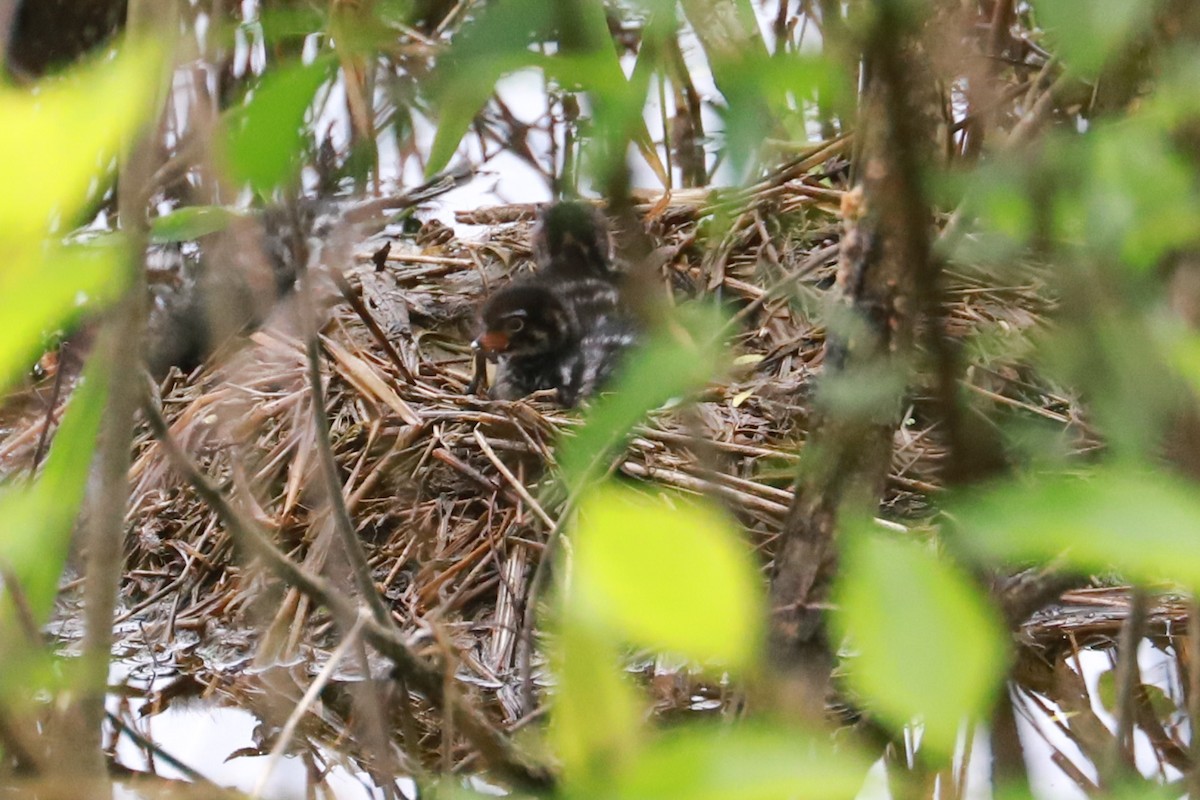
[(413, 671)]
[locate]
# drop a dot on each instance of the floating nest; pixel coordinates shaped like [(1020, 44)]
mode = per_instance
[(442, 485)]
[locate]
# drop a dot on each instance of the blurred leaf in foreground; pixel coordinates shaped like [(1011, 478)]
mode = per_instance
[(44, 291), (496, 42), (668, 572), (190, 223), (1140, 220), (748, 763), (677, 360), (36, 523), (929, 648), (55, 140), (264, 138), (595, 723), (1089, 32), (1140, 520)]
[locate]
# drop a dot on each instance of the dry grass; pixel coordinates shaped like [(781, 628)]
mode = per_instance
[(442, 486)]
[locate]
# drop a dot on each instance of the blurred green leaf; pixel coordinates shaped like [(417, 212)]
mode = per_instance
[(1182, 348), (1002, 198), (764, 92), (55, 140), (1158, 700), (743, 762), (499, 41), (263, 139), (595, 721), (1114, 360), (1175, 102), (496, 42), (1139, 198), (735, 50), (617, 105), (929, 648), (294, 21), (191, 223), (459, 99), (1140, 520), (675, 361), (1088, 32), (36, 523), (871, 392), (668, 572), (45, 290)]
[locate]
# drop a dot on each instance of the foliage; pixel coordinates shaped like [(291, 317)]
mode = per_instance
[(83, 119), (1107, 200)]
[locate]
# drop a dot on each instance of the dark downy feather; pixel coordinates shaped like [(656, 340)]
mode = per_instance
[(575, 285)]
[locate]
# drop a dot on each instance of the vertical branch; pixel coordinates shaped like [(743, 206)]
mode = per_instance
[(1193, 695), (885, 249), (1120, 760), (109, 498), (329, 469)]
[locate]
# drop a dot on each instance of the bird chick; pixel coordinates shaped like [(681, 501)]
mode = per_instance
[(570, 240), (539, 343), (526, 330), (566, 327)]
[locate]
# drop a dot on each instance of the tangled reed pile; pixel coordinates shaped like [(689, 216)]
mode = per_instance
[(442, 485)]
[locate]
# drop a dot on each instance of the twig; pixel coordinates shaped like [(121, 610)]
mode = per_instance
[(354, 298), (109, 497), (420, 676), (329, 468), (1128, 679), (310, 697), (517, 486), (55, 393)]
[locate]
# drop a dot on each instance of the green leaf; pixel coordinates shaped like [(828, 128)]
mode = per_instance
[(264, 138), (460, 99), (744, 762), (43, 291), (1142, 521), (595, 720), (676, 361), (668, 572), (55, 140), (36, 523), (1088, 32), (1158, 700), (1140, 220), (191, 223), (494, 43), (929, 647), (617, 106)]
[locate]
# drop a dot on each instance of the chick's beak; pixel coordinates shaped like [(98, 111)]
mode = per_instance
[(491, 343)]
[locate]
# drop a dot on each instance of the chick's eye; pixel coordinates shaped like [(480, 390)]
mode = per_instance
[(514, 325)]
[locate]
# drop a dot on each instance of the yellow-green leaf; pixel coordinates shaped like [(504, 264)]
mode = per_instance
[(928, 647), (36, 522), (191, 223), (57, 137), (1139, 520), (668, 572), (263, 138), (43, 290), (743, 762), (595, 721)]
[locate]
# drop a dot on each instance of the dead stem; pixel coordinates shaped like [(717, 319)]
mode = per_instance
[(499, 752)]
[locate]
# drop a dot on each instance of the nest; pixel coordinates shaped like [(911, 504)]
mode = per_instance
[(439, 483)]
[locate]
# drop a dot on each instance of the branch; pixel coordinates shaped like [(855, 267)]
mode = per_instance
[(410, 670)]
